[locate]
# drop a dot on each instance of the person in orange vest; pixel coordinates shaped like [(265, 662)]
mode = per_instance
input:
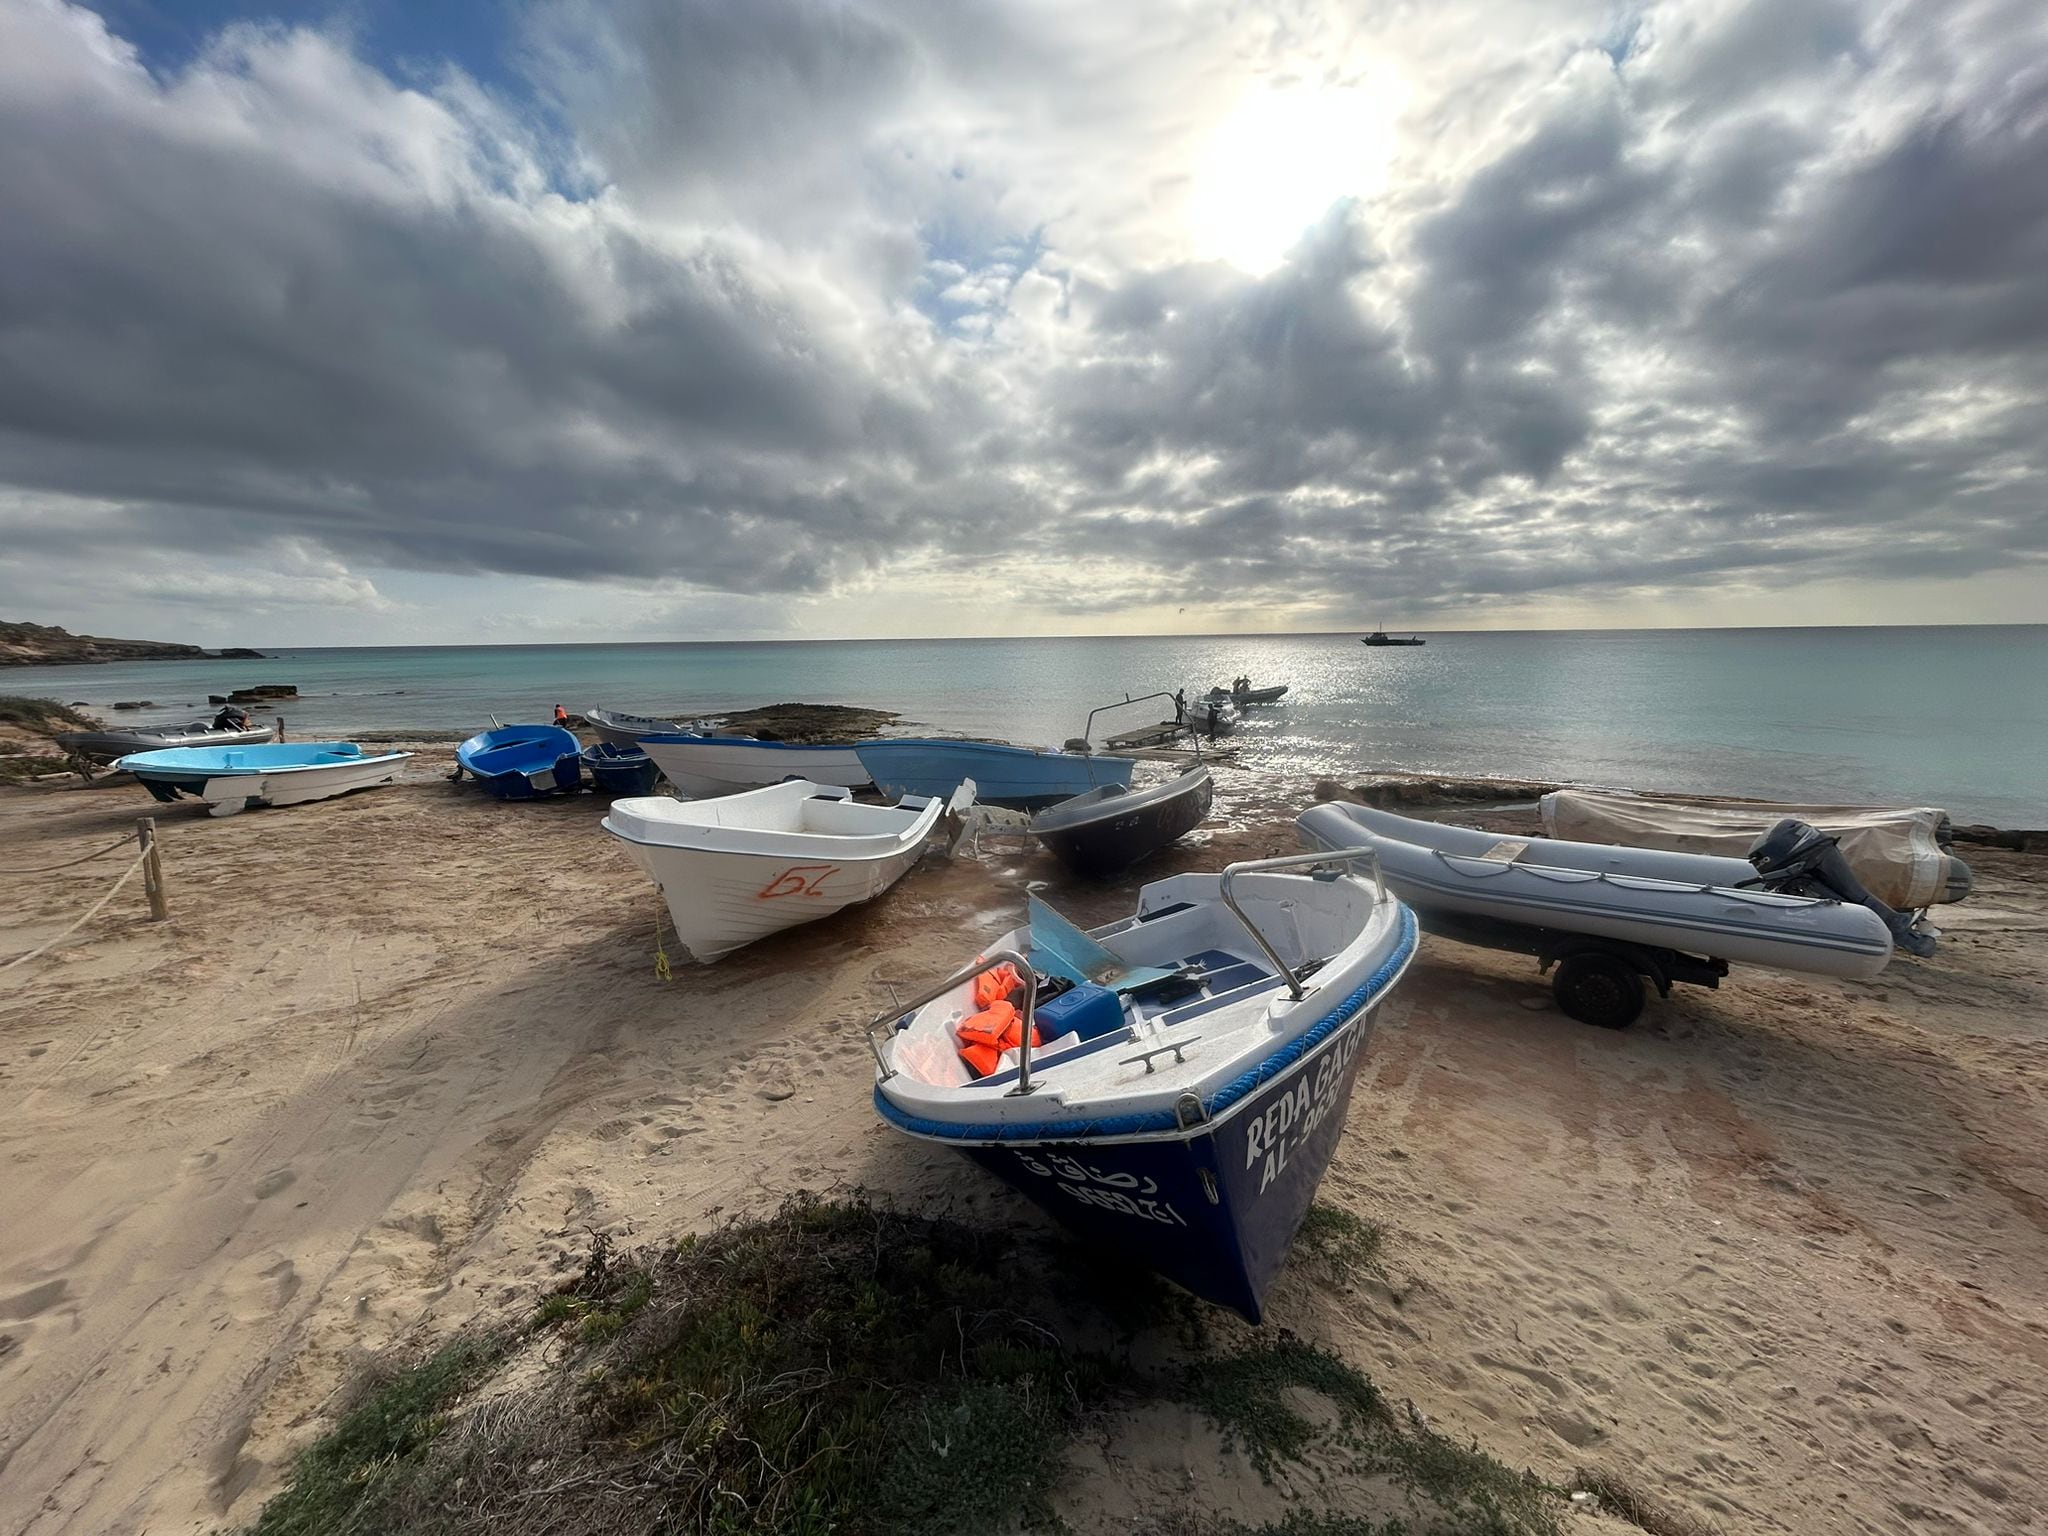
[(561, 717)]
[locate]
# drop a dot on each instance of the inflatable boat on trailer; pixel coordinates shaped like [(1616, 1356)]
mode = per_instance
[(1196, 1064), (1609, 917)]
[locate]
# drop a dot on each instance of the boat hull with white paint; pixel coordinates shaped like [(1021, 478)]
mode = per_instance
[(703, 765), (738, 867), (233, 779), (1690, 903), (625, 730)]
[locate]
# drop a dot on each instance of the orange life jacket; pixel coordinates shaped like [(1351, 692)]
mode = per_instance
[(984, 1036)]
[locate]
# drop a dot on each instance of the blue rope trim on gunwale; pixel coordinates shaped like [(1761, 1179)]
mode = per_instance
[(1164, 1119)]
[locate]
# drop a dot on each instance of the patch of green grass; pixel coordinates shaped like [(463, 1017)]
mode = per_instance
[(1246, 1396), (841, 1367), (1345, 1246), (347, 1480)]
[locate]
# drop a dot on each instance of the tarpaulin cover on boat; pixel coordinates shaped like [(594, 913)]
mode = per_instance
[(1899, 854)]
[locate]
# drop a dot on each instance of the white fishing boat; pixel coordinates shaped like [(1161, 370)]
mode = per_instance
[(232, 779), (625, 730), (739, 867), (704, 765)]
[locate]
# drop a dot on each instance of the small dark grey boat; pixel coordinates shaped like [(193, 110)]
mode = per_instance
[(1107, 830), (229, 728)]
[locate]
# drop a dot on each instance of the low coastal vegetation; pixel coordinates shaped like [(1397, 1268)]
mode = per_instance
[(26, 726), (842, 1366)]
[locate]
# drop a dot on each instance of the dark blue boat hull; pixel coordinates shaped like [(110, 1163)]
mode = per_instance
[(1213, 1208), (620, 771), (518, 786)]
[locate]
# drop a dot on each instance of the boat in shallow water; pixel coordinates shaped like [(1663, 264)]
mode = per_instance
[(1249, 694), (616, 770), (523, 762), (1196, 1064), (737, 868), (232, 779), (1014, 778), (1107, 830), (704, 765)]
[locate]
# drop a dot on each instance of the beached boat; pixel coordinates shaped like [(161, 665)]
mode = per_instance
[(221, 731), (617, 770), (523, 762), (1609, 916), (232, 779), (1249, 695), (1193, 1077), (1381, 637), (704, 765), (1904, 856), (739, 867), (1015, 778), (1107, 830), (624, 730)]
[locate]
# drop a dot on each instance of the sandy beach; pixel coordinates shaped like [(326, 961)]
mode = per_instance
[(1778, 1254)]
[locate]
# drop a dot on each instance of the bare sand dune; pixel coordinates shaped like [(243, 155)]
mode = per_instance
[(1777, 1253)]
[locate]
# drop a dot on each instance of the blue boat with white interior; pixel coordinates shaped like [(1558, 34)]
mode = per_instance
[(523, 762), (1016, 778), (617, 770), (232, 779), (1171, 1086)]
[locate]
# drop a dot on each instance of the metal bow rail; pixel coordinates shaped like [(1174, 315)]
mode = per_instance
[(987, 962), (1335, 862)]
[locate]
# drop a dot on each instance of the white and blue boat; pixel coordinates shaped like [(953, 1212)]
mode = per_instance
[(1015, 778), (523, 762), (231, 779), (702, 765), (617, 770), (1196, 1065)]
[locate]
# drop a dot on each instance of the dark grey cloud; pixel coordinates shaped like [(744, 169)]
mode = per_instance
[(786, 294)]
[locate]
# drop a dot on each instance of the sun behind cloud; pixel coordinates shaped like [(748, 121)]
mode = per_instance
[(1277, 160)]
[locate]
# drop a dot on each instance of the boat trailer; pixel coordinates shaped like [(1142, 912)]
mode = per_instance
[(1598, 980)]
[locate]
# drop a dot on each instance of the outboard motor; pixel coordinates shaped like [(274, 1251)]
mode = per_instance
[(1798, 859), (231, 719)]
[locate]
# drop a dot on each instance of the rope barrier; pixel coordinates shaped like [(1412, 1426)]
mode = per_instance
[(46, 869), (92, 912)]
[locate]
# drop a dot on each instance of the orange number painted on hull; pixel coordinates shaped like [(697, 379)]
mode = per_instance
[(797, 880)]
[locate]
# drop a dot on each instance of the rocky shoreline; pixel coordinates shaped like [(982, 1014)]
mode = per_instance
[(51, 645)]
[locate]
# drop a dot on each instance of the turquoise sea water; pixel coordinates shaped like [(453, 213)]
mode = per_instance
[(1951, 716)]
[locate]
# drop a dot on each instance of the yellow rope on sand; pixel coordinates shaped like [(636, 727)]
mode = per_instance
[(661, 970), (90, 913)]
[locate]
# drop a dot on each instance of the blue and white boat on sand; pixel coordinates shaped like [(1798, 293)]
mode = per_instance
[(703, 765), (231, 779), (523, 762), (1196, 1064), (1015, 778), (616, 770)]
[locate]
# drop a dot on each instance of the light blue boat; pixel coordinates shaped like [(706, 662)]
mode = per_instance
[(523, 762), (1015, 778), (231, 779)]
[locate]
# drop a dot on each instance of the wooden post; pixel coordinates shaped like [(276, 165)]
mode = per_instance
[(152, 868)]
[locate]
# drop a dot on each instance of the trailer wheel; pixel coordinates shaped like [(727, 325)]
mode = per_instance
[(1598, 988)]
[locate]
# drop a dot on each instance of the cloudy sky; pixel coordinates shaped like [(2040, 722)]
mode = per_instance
[(670, 319)]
